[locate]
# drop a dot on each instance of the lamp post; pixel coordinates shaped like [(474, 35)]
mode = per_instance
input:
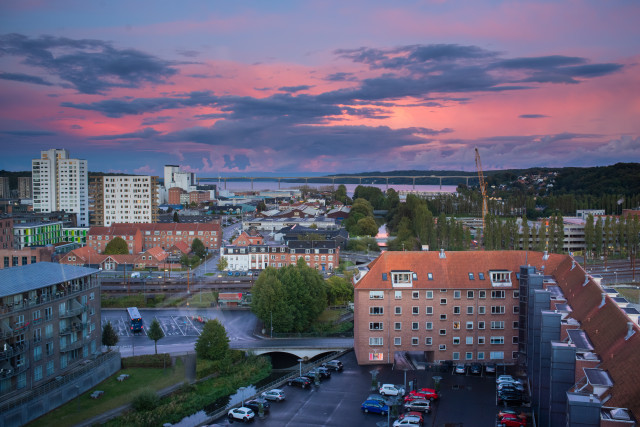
[(300, 361), (241, 390), (188, 278), (616, 273)]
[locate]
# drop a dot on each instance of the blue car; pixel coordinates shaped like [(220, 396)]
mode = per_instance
[(374, 406)]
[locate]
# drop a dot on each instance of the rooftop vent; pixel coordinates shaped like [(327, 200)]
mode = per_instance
[(573, 265), (586, 280), (620, 414), (442, 254), (604, 298), (545, 256), (630, 331)]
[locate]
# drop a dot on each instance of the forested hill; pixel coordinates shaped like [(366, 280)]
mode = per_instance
[(621, 178)]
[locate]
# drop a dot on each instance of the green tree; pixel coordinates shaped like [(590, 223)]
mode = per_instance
[(367, 226), (117, 246), (341, 194), (525, 233), (109, 336), (222, 264), (213, 343), (198, 248), (589, 235), (339, 290), (155, 333), (176, 217)]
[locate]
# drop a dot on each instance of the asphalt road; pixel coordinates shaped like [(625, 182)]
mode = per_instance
[(336, 401), (181, 327)]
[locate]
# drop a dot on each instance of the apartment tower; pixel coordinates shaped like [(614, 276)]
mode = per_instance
[(124, 199)]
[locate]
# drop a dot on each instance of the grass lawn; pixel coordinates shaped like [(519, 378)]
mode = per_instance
[(631, 294), (115, 394), (329, 316)]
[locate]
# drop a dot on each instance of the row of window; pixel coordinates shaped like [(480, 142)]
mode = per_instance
[(375, 341), (457, 294), (415, 310), (397, 326)]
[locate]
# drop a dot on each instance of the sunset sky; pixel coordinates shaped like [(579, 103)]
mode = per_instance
[(301, 87)]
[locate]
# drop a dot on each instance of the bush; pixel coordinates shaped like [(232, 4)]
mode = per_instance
[(146, 400), (147, 361)]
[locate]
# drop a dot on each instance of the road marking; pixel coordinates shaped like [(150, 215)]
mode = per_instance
[(178, 326), (194, 326)]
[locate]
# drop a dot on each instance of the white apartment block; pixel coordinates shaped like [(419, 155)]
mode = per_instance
[(124, 199), (175, 177), (61, 184)]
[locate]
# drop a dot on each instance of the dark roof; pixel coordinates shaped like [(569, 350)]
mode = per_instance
[(312, 244), (580, 339), (25, 278)]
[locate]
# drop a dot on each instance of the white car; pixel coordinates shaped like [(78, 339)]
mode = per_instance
[(407, 421), (507, 379), (241, 413), (391, 390), (509, 384), (274, 394)]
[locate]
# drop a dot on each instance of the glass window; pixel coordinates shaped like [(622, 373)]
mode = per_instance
[(415, 310), (468, 340), (398, 294), (429, 310), (429, 294), (415, 294), (481, 355), (375, 341), (469, 309), (414, 326), (429, 326), (397, 326), (471, 276), (398, 310), (456, 355), (456, 340), (470, 294), (414, 340), (428, 341), (397, 341)]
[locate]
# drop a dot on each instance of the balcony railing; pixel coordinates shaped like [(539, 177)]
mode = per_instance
[(76, 327), (12, 371), (14, 350), (46, 298), (72, 346), (73, 312)]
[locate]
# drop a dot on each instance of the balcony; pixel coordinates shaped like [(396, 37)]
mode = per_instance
[(14, 350), (72, 346), (8, 372), (76, 327), (73, 312)]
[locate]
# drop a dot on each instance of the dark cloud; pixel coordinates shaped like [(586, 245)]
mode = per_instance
[(145, 133), (294, 89), (149, 121), (26, 78), (28, 133), (75, 127), (239, 161), (540, 62), (210, 116), (341, 77), (89, 66), (188, 53), (532, 116)]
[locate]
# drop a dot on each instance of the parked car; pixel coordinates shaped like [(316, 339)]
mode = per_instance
[(510, 411), (507, 378), (421, 405), (301, 382), (510, 397), (461, 369), (254, 405), (374, 406), (510, 420), (510, 386), (242, 413), (407, 421), (312, 375), (377, 397), (413, 416), (426, 393), (334, 365), (324, 372), (475, 369), (391, 390), (274, 394)]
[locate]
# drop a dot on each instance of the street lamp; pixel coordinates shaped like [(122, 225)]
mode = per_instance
[(616, 273), (241, 390), (300, 361)]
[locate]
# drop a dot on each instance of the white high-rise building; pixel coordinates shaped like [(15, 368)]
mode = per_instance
[(60, 183), (124, 199)]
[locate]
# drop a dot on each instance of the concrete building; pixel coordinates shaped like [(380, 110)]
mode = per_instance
[(322, 255), (60, 183), (124, 199), (24, 187), (5, 191), (175, 177), (49, 321), (175, 194), (37, 234)]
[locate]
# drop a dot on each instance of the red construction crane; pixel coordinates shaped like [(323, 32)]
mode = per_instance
[(483, 188)]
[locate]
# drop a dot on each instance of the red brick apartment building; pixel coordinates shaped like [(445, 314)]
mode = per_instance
[(142, 237), (577, 340)]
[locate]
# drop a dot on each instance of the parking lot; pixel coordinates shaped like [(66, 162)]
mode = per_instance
[(465, 400), (172, 325)]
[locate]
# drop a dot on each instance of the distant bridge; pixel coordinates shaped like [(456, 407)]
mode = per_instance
[(337, 178), (299, 347)]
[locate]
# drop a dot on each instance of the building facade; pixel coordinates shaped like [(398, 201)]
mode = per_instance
[(24, 187), (174, 195), (6, 232), (60, 183), (5, 190), (124, 199), (49, 323), (26, 256), (37, 234)]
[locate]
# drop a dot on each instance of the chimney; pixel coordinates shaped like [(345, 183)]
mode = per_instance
[(604, 298), (586, 280), (630, 331), (442, 254), (545, 256)]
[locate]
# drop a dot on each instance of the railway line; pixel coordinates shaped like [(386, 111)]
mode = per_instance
[(173, 286)]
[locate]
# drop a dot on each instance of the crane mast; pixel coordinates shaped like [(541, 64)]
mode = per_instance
[(483, 188)]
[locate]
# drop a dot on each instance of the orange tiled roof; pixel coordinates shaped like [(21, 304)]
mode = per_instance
[(453, 270), (158, 253), (181, 246)]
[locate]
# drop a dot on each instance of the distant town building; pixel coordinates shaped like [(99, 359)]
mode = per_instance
[(37, 234), (175, 194), (6, 232), (24, 187), (26, 256), (584, 213), (5, 192), (142, 237), (124, 199), (60, 183)]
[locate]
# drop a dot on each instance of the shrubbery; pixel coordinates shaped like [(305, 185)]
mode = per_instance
[(146, 400)]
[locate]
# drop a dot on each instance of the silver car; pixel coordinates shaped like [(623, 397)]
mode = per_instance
[(274, 394)]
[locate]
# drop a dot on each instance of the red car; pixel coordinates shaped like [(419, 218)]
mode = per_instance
[(511, 420), (423, 393)]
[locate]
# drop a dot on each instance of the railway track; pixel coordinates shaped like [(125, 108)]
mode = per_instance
[(174, 286)]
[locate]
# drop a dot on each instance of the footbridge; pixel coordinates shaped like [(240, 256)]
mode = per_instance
[(299, 347)]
